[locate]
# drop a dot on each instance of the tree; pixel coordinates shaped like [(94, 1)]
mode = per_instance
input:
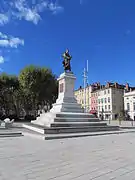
[(39, 86), (8, 85)]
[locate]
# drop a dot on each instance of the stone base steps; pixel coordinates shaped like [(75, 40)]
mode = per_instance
[(77, 124), (75, 119), (69, 125), (66, 130), (34, 135), (74, 115)]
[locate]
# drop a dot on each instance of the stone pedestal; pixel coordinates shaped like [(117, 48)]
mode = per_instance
[(66, 102)]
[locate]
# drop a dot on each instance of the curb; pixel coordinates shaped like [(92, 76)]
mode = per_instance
[(14, 134)]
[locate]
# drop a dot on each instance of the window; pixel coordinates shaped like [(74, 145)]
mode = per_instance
[(102, 100), (105, 92), (134, 106), (128, 106), (108, 91), (108, 99), (109, 107), (99, 108), (105, 106), (99, 101), (105, 100)]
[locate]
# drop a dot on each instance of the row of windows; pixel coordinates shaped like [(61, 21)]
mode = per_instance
[(94, 95), (94, 108), (128, 98), (98, 93), (100, 108), (105, 108), (96, 101), (104, 100), (105, 91)]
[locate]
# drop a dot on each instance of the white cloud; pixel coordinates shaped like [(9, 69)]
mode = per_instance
[(25, 12), (28, 10), (3, 36), (4, 19), (1, 59), (55, 8), (10, 41)]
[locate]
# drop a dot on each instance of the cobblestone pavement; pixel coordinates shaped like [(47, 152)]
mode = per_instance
[(98, 158)]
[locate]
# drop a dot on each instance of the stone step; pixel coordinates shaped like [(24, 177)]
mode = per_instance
[(10, 134), (70, 109), (76, 135), (34, 135), (58, 130), (63, 119), (74, 115), (77, 124)]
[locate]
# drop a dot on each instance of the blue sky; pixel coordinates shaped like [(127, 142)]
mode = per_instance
[(38, 32)]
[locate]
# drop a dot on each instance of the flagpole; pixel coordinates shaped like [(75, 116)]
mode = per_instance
[(84, 83)]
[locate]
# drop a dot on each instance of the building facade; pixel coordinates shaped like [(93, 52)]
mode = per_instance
[(129, 101), (84, 96), (82, 93), (110, 101), (107, 101), (94, 98)]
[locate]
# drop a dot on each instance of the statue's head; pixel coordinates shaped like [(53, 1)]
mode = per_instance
[(67, 51)]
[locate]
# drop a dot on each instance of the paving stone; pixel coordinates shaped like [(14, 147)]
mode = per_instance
[(99, 158)]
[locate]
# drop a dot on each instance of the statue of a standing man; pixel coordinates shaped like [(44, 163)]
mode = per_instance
[(66, 61)]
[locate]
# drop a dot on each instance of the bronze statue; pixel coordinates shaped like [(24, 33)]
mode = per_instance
[(66, 61)]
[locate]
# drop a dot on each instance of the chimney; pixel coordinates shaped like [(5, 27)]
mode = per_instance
[(80, 87), (127, 87), (108, 85), (116, 85)]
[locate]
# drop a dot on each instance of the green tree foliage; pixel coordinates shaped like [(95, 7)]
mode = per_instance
[(9, 84), (34, 85), (39, 86)]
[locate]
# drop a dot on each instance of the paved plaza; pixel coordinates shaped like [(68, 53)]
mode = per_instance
[(99, 158)]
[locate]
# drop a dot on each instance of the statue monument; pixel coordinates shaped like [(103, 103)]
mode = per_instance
[(66, 61), (66, 102), (66, 115)]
